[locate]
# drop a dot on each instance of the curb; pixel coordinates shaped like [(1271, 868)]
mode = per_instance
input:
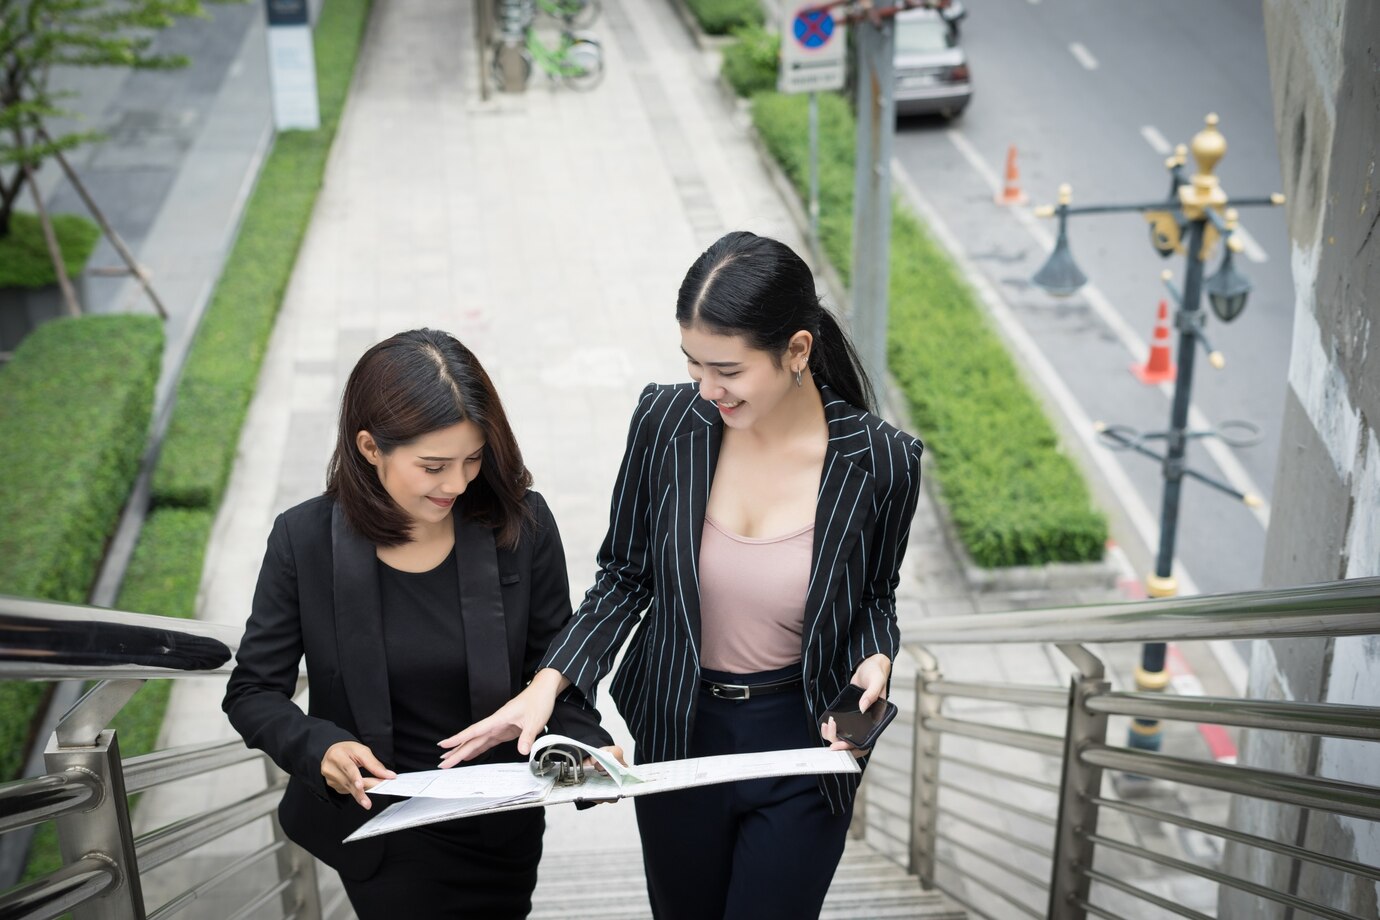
[(702, 40), (1050, 576)]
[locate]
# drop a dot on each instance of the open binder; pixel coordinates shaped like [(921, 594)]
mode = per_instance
[(555, 773)]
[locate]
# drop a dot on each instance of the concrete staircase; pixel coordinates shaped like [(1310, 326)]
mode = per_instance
[(608, 884)]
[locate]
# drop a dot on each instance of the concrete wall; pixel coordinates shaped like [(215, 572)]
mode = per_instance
[(1325, 524)]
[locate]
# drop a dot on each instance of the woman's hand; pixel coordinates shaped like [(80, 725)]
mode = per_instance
[(872, 675), (341, 767), (613, 749), (523, 717)]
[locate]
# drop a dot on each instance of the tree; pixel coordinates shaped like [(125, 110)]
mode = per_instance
[(35, 36)]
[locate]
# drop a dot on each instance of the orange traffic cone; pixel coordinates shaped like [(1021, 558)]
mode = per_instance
[(1011, 193), (1160, 367)]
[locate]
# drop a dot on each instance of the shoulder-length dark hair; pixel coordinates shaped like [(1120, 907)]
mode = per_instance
[(405, 387), (758, 288)]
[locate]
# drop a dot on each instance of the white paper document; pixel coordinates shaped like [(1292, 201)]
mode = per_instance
[(496, 790)]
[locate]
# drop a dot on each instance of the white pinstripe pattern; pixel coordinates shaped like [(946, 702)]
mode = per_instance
[(649, 562)]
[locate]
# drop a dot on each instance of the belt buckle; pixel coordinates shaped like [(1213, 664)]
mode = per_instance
[(730, 691)]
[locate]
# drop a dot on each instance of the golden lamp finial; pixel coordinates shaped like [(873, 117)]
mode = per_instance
[(1209, 146)]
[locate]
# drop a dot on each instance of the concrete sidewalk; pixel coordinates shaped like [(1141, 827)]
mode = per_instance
[(549, 231)]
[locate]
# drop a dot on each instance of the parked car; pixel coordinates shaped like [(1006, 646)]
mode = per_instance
[(930, 65)]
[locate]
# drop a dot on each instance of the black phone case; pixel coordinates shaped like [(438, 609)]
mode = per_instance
[(889, 713)]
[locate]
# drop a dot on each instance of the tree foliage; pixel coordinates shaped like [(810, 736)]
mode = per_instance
[(38, 35)]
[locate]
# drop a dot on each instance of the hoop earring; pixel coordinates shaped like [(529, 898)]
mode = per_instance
[(799, 381)]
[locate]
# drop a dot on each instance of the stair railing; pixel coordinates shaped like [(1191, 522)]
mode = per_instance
[(1066, 837)]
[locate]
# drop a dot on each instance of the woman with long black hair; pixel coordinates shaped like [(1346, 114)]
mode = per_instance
[(422, 589), (759, 519)]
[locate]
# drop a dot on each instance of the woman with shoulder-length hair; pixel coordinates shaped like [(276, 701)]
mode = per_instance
[(422, 588), (759, 519)]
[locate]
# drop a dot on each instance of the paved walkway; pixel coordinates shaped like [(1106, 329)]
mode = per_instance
[(550, 232)]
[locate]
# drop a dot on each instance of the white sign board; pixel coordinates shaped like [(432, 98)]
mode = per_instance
[(292, 71), (813, 48)]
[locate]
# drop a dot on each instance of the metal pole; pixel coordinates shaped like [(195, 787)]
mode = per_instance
[(1081, 781), (872, 194), (1145, 734), (814, 174)]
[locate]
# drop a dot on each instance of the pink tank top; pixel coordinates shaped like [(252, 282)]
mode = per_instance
[(752, 598)]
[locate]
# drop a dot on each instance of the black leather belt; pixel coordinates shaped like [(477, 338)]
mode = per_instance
[(747, 691)]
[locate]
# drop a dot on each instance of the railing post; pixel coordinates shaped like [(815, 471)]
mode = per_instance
[(924, 791), (102, 833), (302, 898), (1077, 818)]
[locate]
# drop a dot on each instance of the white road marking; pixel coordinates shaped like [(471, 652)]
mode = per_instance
[(1083, 56), (1251, 248), (1037, 365), (1156, 140), (1131, 340)]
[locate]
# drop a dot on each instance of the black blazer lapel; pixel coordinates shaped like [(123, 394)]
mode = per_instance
[(359, 636), (481, 610), (690, 470)]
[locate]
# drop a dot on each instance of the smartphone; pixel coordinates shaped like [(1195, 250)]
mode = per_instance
[(861, 729)]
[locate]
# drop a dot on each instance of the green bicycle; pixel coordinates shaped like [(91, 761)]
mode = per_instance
[(576, 13), (577, 61)]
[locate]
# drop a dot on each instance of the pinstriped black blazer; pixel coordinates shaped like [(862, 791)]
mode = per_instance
[(649, 558)]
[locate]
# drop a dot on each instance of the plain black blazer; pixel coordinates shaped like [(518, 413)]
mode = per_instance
[(649, 561), (318, 597)]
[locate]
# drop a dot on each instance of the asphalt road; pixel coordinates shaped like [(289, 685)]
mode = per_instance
[(1092, 92)]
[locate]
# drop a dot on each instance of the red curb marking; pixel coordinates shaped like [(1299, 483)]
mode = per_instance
[(1186, 683)]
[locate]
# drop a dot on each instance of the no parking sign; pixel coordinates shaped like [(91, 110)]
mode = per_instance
[(812, 50)]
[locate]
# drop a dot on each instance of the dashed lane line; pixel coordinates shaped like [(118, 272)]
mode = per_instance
[(1235, 474), (1156, 140), (1083, 56)]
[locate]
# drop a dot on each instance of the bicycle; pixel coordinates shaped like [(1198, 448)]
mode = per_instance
[(578, 61), (576, 13)]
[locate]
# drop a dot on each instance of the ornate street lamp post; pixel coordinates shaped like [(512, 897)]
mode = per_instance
[(1189, 221)]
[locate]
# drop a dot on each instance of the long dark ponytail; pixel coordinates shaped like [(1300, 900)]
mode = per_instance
[(758, 288)]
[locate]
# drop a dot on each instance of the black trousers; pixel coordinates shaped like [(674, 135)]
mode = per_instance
[(480, 868), (752, 850)]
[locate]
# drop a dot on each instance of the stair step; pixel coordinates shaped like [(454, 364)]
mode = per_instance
[(608, 884)]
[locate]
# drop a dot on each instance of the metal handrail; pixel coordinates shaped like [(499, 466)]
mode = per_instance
[(1226, 833), (1347, 608), (55, 894), (167, 843), (1337, 720), (1221, 878), (158, 767), (45, 640), (26, 802), (1332, 795), (1020, 694), (1036, 742), (1350, 608)]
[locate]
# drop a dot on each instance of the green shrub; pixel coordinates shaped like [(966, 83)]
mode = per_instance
[(75, 404), (752, 62), (1015, 498), (24, 258), (721, 17), (223, 365)]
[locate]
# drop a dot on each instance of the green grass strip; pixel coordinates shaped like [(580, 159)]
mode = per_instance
[(1015, 497), (219, 378)]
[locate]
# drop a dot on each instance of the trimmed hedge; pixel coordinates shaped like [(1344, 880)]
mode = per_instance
[(721, 17), (75, 405), (751, 64), (24, 258), (1015, 498), (223, 365)]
